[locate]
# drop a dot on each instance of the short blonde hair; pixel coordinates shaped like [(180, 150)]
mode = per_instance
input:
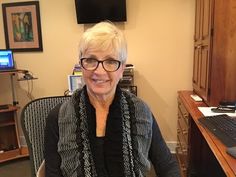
[(103, 36)]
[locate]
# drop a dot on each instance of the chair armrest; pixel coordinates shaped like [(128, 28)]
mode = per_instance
[(41, 170)]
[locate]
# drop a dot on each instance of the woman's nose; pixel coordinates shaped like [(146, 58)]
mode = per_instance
[(100, 68)]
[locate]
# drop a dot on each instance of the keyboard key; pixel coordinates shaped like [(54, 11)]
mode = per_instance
[(222, 126)]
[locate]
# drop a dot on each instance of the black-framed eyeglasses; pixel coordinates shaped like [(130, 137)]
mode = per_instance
[(109, 65)]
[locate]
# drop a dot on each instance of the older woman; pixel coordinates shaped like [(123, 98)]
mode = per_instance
[(102, 130)]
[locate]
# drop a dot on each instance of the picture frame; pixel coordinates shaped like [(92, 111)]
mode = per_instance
[(22, 26)]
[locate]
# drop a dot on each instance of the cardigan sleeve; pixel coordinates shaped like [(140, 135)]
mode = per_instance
[(164, 163), (52, 158)]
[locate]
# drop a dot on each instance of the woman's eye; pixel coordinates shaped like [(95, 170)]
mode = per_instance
[(111, 62), (90, 60)]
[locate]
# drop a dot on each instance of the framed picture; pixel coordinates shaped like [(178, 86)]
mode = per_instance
[(22, 26)]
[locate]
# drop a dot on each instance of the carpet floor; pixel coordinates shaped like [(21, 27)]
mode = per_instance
[(16, 168), (21, 168)]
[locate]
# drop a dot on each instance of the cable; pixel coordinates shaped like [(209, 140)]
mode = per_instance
[(30, 89)]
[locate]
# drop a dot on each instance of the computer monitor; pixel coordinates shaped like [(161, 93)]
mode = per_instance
[(6, 60), (75, 82)]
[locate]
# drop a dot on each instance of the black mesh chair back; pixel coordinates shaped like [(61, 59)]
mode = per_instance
[(33, 121)]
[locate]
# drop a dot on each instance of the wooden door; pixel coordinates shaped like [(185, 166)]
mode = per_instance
[(223, 67), (202, 46)]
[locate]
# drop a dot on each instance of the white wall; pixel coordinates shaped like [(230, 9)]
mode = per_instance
[(160, 45)]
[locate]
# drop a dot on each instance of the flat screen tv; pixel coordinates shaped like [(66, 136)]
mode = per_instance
[(94, 11)]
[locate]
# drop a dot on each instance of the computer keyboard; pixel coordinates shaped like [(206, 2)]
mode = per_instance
[(222, 126)]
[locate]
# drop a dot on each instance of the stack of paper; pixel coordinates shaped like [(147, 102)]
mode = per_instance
[(206, 111)]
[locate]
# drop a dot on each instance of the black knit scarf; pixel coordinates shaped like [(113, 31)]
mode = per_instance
[(127, 140), (118, 155)]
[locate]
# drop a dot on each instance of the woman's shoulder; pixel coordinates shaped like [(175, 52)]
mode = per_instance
[(136, 102), (52, 117), (132, 97), (66, 106)]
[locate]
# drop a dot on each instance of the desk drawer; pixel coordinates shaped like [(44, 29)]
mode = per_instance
[(183, 111), (182, 159), (183, 128), (182, 144), (182, 148)]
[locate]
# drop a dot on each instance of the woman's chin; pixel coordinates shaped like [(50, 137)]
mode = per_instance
[(101, 91)]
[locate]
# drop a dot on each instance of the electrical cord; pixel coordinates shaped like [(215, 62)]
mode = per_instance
[(30, 89), (28, 76)]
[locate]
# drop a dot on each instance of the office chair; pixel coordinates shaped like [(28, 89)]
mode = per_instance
[(33, 121)]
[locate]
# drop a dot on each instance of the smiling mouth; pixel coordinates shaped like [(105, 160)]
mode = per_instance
[(97, 81)]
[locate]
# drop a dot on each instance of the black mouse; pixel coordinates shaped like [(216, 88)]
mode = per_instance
[(232, 151)]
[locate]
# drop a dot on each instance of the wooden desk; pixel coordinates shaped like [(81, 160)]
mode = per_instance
[(202, 143)]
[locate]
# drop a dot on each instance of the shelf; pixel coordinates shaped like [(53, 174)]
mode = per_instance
[(9, 137), (7, 116), (8, 155), (13, 72), (10, 109), (7, 123), (12, 154)]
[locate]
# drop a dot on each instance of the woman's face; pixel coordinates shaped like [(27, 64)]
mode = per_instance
[(99, 82)]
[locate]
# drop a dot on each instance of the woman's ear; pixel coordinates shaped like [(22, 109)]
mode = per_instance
[(123, 65), (122, 70)]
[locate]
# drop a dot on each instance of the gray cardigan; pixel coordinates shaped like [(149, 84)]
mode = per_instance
[(141, 141)]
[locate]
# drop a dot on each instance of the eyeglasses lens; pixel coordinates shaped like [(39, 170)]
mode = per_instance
[(91, 64)]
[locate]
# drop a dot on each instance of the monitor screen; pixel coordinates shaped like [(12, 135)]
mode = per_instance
[(75, 82), (93, 11), (6, 59)]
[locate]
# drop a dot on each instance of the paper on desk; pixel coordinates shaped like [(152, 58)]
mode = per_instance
[(206, 111)]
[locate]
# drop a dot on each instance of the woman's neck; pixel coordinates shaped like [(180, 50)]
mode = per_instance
[(100, 101)]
